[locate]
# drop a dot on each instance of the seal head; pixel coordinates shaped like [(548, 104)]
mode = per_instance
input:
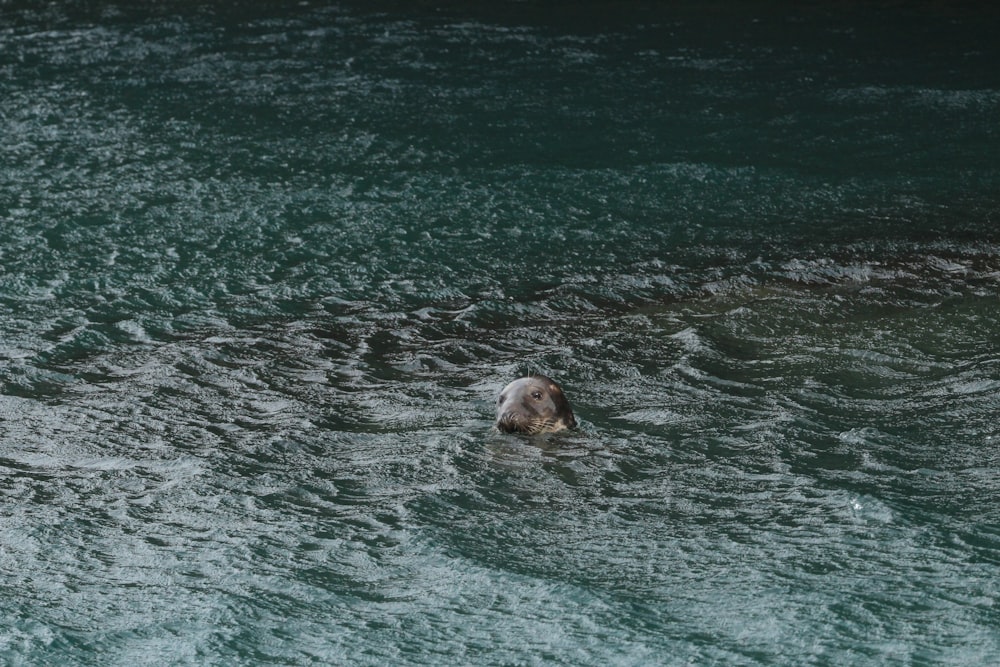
[(533, 405)]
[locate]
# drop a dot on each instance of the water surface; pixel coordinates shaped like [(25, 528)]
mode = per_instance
[(264, 270)]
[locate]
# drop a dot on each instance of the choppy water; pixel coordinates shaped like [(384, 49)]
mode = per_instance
[(263, 272)]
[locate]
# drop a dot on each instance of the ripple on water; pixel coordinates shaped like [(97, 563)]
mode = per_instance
[(264, 271)]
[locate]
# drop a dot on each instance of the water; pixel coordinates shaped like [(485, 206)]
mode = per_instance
[(264, 270)]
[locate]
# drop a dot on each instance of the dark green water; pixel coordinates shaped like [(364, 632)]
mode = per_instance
[(264, 270)]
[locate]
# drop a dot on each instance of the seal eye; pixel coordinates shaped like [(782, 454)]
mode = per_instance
[(500, 400), (537, 395)]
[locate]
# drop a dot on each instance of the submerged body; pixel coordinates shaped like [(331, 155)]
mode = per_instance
[(533, 405)]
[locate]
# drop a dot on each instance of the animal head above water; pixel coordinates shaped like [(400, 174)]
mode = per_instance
[(532, 405)]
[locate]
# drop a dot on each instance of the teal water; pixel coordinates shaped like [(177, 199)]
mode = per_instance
[(264, 270)]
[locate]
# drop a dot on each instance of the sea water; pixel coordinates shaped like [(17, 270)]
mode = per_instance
[(264, 269)]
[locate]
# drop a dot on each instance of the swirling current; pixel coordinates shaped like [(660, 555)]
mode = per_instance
[(264, 268)]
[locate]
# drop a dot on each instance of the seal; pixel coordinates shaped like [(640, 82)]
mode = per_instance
[(532, 405)]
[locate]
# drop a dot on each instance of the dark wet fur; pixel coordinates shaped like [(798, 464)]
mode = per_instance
[(524, 413)]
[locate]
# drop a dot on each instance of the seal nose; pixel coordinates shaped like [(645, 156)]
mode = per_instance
[(507, 422)]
